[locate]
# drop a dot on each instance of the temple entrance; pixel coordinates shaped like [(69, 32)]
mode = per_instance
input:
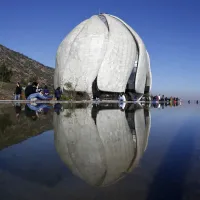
[(95, 90)]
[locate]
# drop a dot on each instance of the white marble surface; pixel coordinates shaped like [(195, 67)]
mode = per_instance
[(63, 54), (117, 139)]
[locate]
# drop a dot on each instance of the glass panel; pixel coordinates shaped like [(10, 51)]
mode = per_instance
[(104, 20)]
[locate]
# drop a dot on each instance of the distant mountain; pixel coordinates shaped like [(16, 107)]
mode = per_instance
[(24, 69)]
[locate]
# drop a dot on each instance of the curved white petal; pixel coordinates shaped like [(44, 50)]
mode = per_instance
[(120, 149), (119, 59), (63, 54), (86, 53), (148, 127), (149, 75), (142, 62), (140, 132), (79, 145)]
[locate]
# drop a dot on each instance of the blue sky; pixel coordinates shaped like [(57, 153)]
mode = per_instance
[(170, 30)]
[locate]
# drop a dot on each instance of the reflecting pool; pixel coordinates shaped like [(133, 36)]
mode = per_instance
[(99, 151)]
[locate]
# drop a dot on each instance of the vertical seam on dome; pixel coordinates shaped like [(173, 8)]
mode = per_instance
[(106, 43)]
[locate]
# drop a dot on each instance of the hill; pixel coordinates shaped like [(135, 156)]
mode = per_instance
[(24, 69)]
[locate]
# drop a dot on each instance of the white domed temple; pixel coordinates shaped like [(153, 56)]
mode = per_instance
[(103, 54)]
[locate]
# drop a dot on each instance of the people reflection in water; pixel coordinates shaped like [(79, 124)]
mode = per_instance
[(45, 110), (32, 114), (32, 110), (99, 143), (122, 105), (162, 105), (17, 109), (58, 108), (156, 105)]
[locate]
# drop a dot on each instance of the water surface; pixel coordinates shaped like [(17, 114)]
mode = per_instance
[(105, 151)]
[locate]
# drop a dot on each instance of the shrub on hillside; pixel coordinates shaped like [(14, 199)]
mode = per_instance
[(5, 73), (33, 78)]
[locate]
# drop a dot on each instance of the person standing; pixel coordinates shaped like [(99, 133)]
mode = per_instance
[(58, 93), (18, 91), (30, 89), (122, 97)]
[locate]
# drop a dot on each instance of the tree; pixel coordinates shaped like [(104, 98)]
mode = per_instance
[(33, 78), (5, 73), (24, 82), (71, 91)]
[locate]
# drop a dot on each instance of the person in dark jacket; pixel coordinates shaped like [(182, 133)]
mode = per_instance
[(18, 91), (30, 89), (162, 98), (58, 93)]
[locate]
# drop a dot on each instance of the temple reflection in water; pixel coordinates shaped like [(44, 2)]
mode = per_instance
[(102, 143)]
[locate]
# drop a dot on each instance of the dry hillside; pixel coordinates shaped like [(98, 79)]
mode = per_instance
[(24, 69)]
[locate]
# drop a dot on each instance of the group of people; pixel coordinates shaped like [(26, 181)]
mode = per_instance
[(163, 98), (197, 101), (34, 92)]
